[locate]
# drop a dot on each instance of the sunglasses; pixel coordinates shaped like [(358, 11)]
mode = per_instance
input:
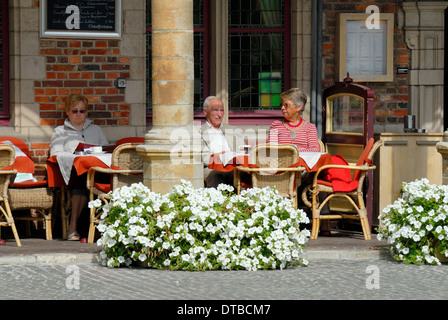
[(75, 111)]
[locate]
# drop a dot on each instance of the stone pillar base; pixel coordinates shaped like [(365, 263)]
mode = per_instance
[(171, 154), (442, 148)]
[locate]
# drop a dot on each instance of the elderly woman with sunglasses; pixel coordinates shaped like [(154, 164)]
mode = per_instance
[(76, 128), (293, 128)]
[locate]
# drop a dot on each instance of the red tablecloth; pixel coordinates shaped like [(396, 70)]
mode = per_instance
[(81, 164), (22, 164), (215, 163)]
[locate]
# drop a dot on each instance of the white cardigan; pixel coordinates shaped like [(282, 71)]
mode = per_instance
[(66, 138)]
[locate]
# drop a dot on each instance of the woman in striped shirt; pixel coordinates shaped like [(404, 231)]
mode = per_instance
[(293, 129)]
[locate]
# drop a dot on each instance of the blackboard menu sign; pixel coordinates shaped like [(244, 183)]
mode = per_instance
[(80, 18)]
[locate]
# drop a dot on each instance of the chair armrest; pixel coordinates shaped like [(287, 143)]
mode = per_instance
[(10, 180), (246, 169), (11, 171), (40, 166), (91, 175)]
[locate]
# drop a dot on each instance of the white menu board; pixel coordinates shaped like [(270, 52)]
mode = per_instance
[(366, 49)]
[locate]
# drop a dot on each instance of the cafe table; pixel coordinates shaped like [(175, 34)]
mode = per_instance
[(308, 161), (59, 168)]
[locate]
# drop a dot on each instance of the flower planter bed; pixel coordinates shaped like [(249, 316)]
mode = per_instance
[(416, 224), (201, 229)]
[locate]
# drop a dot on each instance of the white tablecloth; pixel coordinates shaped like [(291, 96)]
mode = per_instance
[(310, 158), (65, 162)]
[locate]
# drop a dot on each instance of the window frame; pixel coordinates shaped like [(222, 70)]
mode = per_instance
[(260, 116), (205, 30), (248, 117)]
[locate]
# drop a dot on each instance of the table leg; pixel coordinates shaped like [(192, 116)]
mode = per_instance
[(65, 210)]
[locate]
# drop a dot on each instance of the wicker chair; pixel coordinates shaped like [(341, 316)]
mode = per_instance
[(140, 140), (126, 169), (32, 195), (321, 146), (269, 165), (6, 160), (354, 196)]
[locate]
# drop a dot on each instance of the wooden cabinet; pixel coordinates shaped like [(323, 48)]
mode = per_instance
[(404, 157)]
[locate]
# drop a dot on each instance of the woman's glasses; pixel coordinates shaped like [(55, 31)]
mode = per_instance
[(286, 105), (75, 111)]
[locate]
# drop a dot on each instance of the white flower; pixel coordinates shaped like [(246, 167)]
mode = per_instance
[(419, 214), (142, 257), (95, 203), (166, 245)]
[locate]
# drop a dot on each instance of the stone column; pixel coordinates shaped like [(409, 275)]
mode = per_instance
[(172, 148), (442, 148)]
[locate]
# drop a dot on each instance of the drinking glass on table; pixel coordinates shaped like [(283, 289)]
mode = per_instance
[(245, 148)]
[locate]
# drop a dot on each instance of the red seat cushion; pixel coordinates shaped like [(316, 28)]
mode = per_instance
[(130, 140), (31, 184), (338, 178), (104, 187)]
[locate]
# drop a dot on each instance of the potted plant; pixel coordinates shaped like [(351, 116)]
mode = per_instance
[(201, 229), (416, 224)]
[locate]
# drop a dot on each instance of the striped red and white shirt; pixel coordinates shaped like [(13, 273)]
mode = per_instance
[(305, 138)]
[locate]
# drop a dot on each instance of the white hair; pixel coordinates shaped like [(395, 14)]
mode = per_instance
[(207, 101)]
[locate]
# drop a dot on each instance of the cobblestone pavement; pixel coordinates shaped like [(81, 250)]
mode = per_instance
[(323, 279)]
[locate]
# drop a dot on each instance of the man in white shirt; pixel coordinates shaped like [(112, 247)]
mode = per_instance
[(216, 139)]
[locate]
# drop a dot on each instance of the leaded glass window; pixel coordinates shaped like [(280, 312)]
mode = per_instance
[(258, 53)]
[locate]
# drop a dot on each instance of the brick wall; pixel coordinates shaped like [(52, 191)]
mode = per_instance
[(88, 67), (391, 97), (39, 154)]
